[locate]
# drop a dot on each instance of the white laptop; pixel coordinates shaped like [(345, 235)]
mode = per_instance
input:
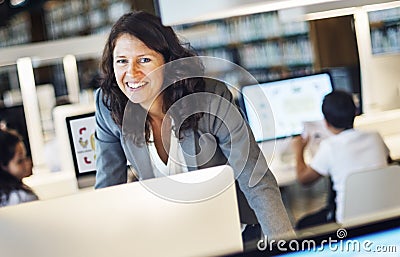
[(189, 214)]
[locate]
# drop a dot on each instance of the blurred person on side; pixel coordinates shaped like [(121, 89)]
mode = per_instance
[(14, 166)]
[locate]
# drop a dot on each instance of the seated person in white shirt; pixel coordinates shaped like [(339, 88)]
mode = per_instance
[(345, 152)]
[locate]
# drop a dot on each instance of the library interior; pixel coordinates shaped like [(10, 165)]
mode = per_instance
[(280, 60)]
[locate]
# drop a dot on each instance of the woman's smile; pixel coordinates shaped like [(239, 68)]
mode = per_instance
[(132, 86)]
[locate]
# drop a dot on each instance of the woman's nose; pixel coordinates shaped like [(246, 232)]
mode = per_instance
[(134, 69)]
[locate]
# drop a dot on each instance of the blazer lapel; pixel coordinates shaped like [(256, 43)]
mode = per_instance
[(139, 157), (188, 144)]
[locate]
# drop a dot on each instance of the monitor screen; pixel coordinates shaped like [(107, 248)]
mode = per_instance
[(278, 109), (81, 129)]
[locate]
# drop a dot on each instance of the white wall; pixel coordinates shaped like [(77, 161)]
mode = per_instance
[(175, 12), (380, 74), (41, 52)]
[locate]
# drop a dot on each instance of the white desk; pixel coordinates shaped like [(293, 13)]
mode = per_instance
[(393, 142), (280, 159), (387, 123), (48, 185)]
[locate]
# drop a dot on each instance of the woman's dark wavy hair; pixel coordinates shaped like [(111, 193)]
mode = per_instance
[(8, 182), (162, 39)]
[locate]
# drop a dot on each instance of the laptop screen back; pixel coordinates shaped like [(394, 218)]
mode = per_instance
[(199, 217)]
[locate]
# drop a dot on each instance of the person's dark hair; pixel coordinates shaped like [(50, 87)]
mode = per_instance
[(162, 39), (339, 109), (8, 183)]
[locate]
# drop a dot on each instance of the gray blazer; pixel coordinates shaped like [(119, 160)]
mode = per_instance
[(222, 127)]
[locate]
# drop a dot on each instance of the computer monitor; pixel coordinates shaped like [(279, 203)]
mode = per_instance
[(278, 109), (347, 78), (81, 129)]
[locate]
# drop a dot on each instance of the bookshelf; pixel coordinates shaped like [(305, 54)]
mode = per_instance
[(17, 32), (82, 17), (261, 43), (385, 30)]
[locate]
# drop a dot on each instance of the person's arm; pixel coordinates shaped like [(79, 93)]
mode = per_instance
[(110, 157), (305, 174), (251, 170)]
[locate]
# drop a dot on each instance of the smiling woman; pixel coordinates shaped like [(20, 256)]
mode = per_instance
[(133, 63), (151, 112)]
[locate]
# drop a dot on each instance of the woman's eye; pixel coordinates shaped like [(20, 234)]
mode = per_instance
[(121, 61), (144, 60)]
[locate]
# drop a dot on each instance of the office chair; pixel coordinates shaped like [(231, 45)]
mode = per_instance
[(372, 191)]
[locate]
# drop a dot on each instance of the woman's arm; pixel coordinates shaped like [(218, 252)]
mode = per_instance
[(110, 157), (251, 170)]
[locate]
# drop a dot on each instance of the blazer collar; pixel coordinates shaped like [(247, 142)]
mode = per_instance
[(139, 157)]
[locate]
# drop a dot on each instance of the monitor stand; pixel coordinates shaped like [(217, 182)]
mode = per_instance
[(86, 181)]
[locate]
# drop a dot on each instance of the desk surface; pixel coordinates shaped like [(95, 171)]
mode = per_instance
[(280, 160), (393, 142)]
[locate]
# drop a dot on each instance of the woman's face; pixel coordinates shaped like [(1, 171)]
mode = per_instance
[(133, 62), (19, 165)]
